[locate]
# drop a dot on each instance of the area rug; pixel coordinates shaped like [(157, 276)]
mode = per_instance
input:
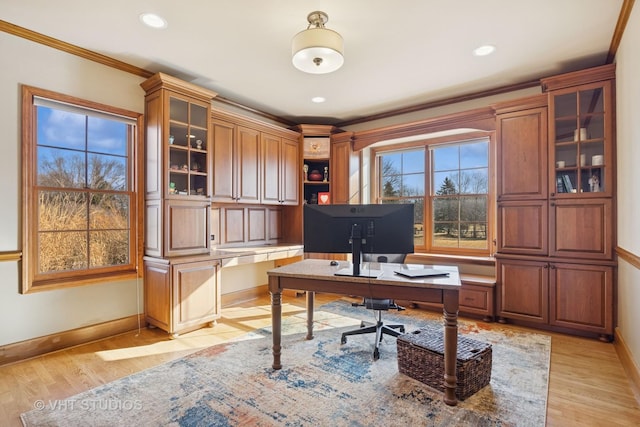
[(321, 383)]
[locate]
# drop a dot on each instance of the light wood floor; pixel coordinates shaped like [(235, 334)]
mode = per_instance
[(587, 385)]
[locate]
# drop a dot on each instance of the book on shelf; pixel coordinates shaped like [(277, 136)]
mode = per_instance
[(567, 183)]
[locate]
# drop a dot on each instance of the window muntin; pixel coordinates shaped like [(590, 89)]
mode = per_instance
[(453, 216), (81, 195)]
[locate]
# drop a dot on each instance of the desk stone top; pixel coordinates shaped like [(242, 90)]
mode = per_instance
[(322, 269)]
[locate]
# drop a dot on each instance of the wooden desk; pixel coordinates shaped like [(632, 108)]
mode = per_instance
[(315, 275)]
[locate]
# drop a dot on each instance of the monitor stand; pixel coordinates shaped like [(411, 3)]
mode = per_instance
[(356, 240)]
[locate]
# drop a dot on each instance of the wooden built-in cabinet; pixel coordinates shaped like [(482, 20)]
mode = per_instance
[(556, 221), (181, 295), (239, 225), (178, 167), (256, 184), (237, 163), (345, 164), (181, 286)]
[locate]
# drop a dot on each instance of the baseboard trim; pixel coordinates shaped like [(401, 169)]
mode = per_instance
[(34, 347), (630, 367), (233, 298)]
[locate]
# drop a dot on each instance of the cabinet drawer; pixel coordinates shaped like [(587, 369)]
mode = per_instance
[(474, 298)]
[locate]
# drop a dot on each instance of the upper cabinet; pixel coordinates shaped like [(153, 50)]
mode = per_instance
[(280, 176), (254, 162), (178, 161), (581, 133), (178, 167), (522, 149), (237, 165), (345, 164)]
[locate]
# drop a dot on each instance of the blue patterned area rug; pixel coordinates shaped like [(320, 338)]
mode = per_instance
[(322, 383)]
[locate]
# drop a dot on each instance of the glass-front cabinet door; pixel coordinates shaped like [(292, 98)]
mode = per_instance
[(188, 148), (581, 138)]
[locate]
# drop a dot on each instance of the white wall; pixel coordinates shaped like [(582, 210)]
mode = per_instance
[(628, 158), (28, 316)]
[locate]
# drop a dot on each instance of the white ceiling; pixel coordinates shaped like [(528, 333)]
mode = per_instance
[(397, 53)]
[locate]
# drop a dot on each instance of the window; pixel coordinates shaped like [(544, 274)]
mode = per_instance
[(79, 189), (402, 180), (453, 215)]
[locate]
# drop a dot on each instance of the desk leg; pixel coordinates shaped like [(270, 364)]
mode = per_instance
[(276, 326), (450, 346), (310, 298)]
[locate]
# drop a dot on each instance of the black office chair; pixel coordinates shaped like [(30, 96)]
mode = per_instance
[(378, 305)]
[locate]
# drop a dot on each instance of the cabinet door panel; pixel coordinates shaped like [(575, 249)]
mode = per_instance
[(581, 297), (274, 224), (223, 143), (522, 154), (290, 173), (248, 165), (233, 225), (157, 295), (523, 290), (581, 228), (188, 227), (270, 169), (345, 176), (523, 227), (195, 294), (257, 228)]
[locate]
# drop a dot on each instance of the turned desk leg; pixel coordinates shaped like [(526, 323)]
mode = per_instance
[(450, 346), (276, 325), (310, 298)]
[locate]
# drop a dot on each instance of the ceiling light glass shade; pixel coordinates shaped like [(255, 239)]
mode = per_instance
[(317, 50)]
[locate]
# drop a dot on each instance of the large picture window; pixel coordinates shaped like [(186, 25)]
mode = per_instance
[(80, 193), (449, 183)]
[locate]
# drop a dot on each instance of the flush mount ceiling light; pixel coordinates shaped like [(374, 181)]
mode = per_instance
[(317, 50)]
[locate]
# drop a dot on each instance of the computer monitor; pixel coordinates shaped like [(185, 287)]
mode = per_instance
[(357, 229)]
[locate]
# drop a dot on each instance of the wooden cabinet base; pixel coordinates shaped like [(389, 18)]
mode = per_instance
[(476, 297), (181, 296), (557, 294)]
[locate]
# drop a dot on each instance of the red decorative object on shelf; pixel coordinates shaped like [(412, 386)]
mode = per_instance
[(315, 175)]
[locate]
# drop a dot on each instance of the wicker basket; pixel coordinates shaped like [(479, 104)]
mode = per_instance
[(420, 356)]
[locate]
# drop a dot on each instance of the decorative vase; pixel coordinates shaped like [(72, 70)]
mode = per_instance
[(315, 175)]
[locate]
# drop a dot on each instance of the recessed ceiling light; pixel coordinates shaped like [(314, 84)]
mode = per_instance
[(152, 20), (318, 99), (484, 50)]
